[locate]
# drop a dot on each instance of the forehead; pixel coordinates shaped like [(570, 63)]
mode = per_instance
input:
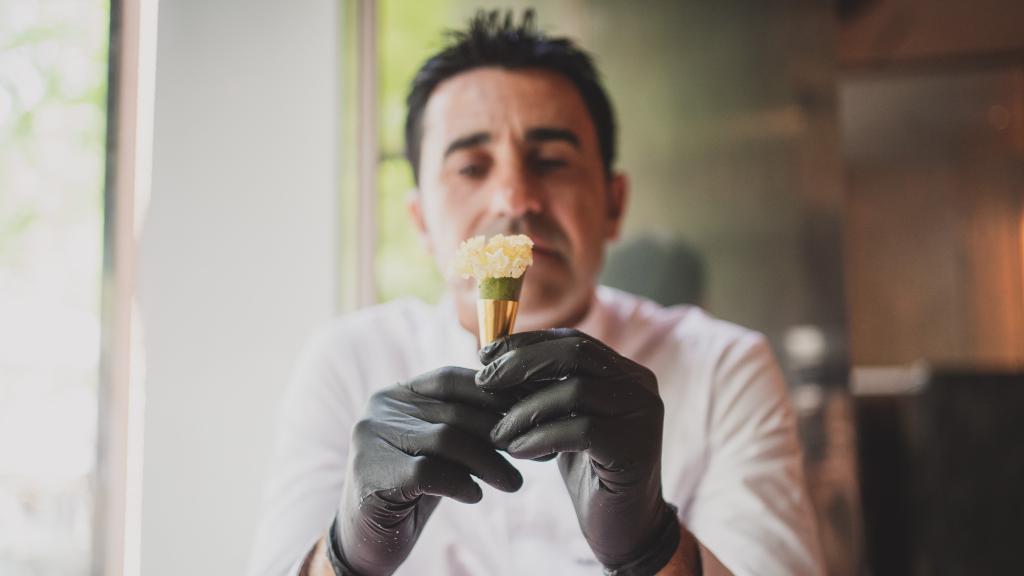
[(496, 99)]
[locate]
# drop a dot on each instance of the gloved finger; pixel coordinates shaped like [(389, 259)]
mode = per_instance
[(477, 421), (556, 401), (547, 361), (471, 453), (568, 435), (455, 384), (438, 477), (521, 339)]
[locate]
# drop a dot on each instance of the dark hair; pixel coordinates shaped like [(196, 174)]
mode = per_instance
[(493, 40)]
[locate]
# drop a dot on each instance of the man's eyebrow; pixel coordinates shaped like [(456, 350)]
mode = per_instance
[(468, 141), (546, 134)]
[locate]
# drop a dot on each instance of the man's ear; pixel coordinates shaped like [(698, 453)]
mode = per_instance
[(414, 205), (618, 195)]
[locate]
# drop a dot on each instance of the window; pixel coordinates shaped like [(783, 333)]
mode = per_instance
[(408, 34), (53, 94)]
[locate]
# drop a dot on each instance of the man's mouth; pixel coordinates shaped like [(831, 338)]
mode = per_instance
[(542, 251)]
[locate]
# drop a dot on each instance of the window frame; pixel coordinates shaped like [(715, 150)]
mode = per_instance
[(130, 99)]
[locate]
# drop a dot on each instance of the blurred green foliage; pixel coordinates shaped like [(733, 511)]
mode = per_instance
[(53, 92), (52, 120), (409, 32)]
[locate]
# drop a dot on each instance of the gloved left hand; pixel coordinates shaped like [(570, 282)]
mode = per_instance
[(601, 413)]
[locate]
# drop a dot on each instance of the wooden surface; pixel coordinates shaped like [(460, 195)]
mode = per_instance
[(911, 31), (935, 175)]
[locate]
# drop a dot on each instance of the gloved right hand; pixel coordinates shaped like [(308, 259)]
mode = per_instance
[(417, 442)]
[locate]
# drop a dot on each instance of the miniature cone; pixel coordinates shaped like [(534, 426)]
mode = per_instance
[(497, 318), (498, 264)]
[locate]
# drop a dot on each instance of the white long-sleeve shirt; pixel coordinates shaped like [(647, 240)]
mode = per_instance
[(731, 461)]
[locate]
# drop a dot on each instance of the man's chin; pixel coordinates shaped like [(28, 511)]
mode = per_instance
[(548, 310)]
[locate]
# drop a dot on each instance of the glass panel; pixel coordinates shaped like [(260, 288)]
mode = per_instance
[(728, 132), (731, 148), (53, 80)]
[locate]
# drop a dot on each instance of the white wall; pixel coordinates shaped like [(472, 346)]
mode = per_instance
[(237, 260)]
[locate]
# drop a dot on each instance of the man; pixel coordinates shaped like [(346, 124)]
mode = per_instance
[(674, 448)]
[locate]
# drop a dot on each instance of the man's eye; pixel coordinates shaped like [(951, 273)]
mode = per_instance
[(472, 171), (548, 164)]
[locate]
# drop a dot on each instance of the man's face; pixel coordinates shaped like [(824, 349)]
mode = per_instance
[(516, 152)]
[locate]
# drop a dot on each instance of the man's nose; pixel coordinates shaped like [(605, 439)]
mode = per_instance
[(512, 195)]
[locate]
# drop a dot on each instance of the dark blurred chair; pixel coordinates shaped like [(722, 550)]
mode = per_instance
[(666, 271)]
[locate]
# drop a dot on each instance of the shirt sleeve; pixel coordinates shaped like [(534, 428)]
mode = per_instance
[(308, 466), (751, 507)]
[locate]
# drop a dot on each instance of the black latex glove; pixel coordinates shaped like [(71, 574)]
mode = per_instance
[(601, 413), (417, 442)]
